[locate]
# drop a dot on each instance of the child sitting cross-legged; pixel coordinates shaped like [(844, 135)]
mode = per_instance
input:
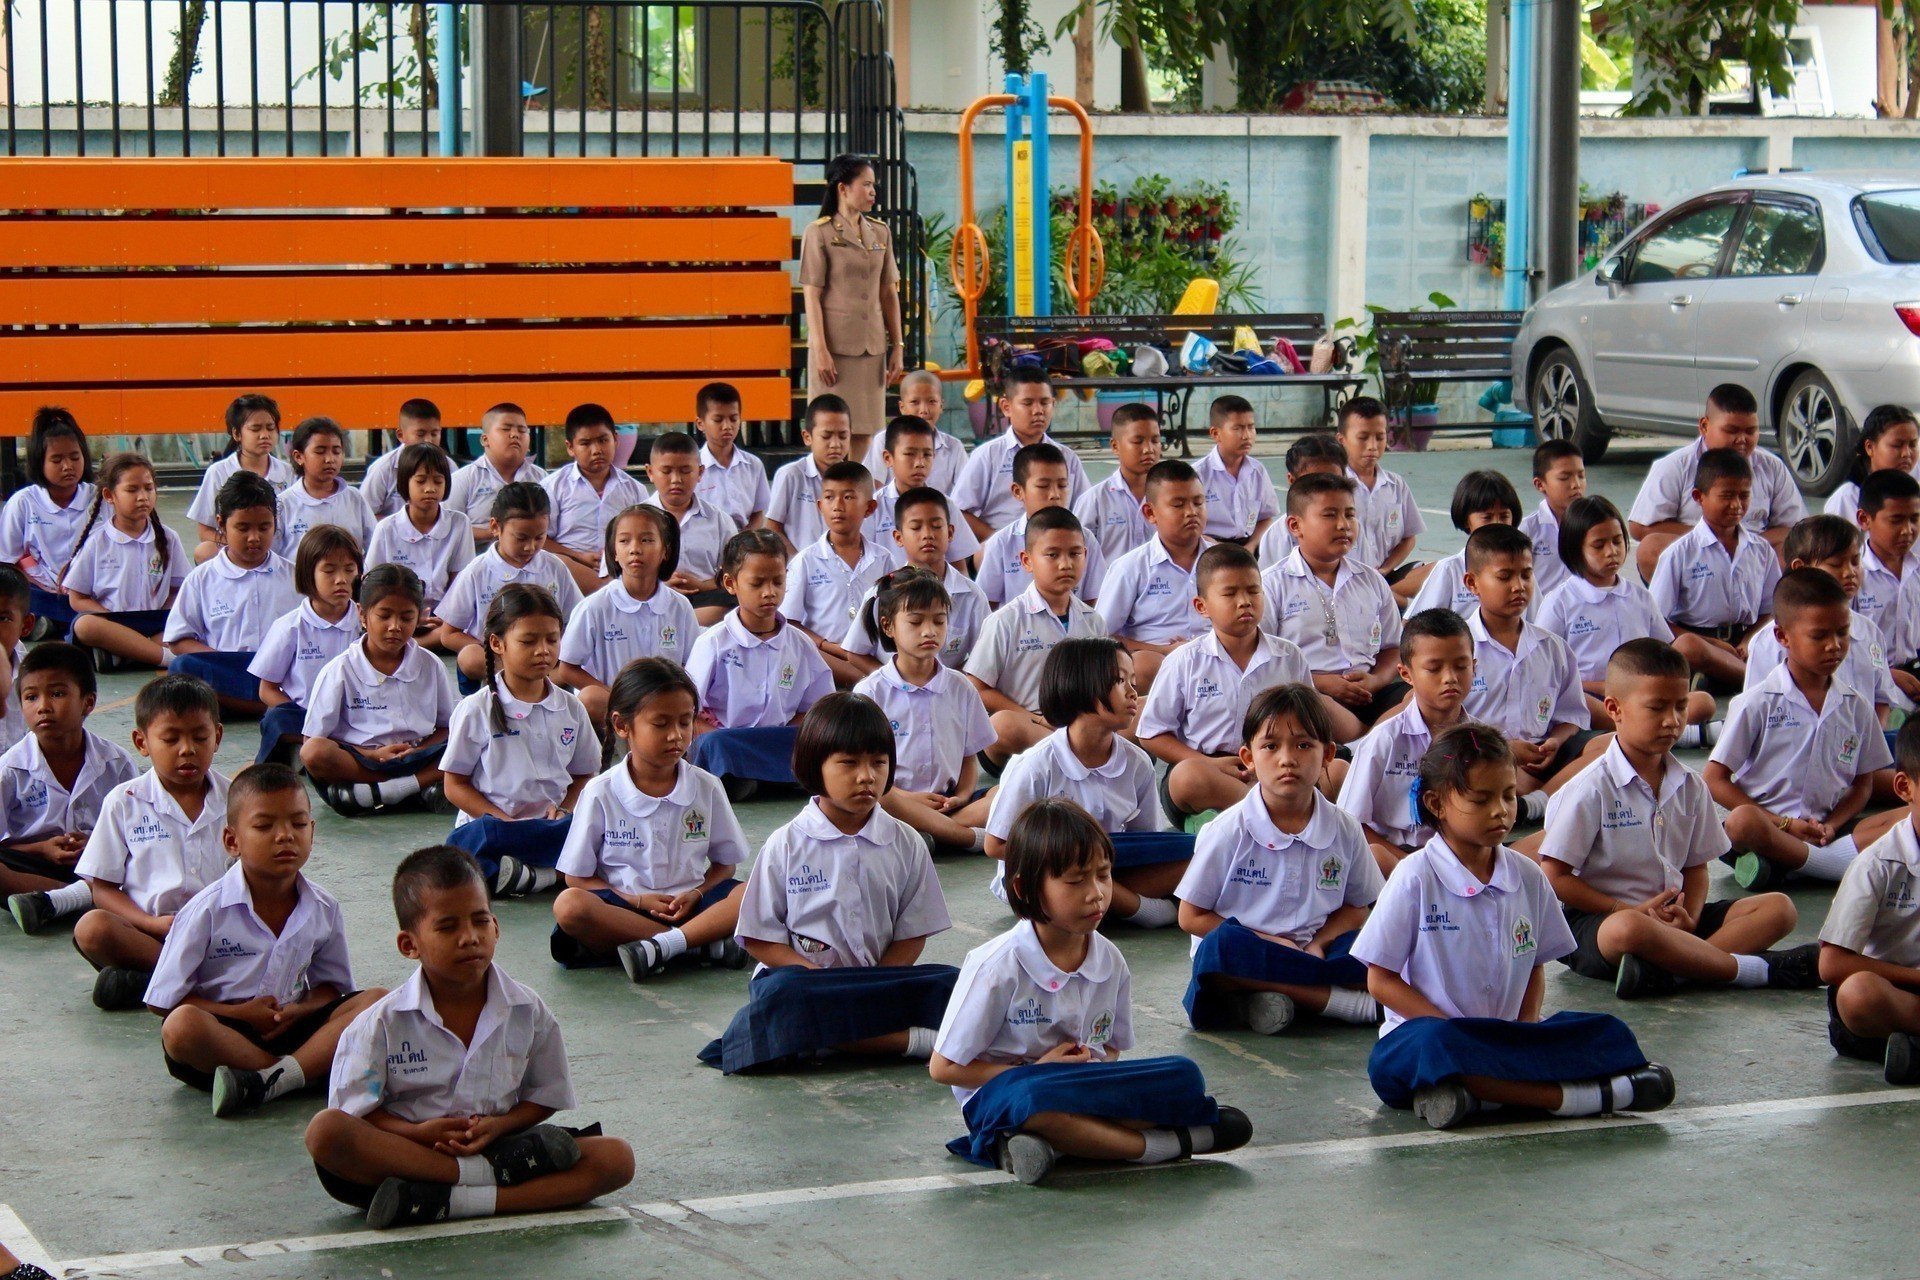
[(907, 452), (1481, 498), (425, 535), (1832, 545), (515, 558), (793, 506), (1317, 452), (673, 465), (43, 521), (504, 437), (1241, 502), (923, 531), (920, 397), (1889, 520), (826, 580), (586, 494), (1560, 478), (731, 478), (1716, 580), (1113, 510), (1147, 595), (418, 422), (126, 568), (226, 604), (326, 570), (253, 425), (636, 615), (320, 497)]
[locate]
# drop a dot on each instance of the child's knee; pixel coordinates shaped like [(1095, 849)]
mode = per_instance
[(1746, 825), (612, 1160), (1859, 996), (93, 932), (181, 1028), (572, 907), (472, 662), (328, 1136), (1778, 910), (1627, 931)]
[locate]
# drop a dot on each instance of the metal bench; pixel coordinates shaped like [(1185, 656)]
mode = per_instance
[(1416, 347)]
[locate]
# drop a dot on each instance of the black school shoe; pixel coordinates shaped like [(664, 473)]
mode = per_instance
[(1794, 968), (1230, 1132), (117, 989), (534, 1152), (1756, 874), (32, 912), (399, 1203), (433, 798), (1652, 1089), (237, 1091), (1902, 1065), (1639, 978), (26, 1271), (339, 798)]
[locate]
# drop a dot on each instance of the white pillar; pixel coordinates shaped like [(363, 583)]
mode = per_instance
[(1347, 218)]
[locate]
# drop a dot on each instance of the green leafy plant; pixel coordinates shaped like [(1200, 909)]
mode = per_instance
[(1366, 342), (1015, 36), (1684, 47)]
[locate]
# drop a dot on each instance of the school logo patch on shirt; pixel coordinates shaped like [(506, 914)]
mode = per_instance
[(566, 736), (1330, 872), (1523, 941), (1848, 746), (669, 637), (693, 825), (786, 675), (1102, 1030)]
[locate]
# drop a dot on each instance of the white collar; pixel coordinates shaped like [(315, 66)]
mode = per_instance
[(1322, 824), (150, 789), (363, 669), (1296, 566), (1462, 883), (226, 568), (349, 621), (1529, 635), (144, 537), (414, 996), (1208, 642), (738, 630), (1070, 764), (515, 709), (813, 823), (626, 602), (890, 672), (410, 532), (1621, 770), (637, 802), (1031, 601), (1032, 957), (234, 891), (1593, 593), (1779, 683)]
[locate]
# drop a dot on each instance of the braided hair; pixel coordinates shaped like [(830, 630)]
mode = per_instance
[(909, 587), (513, 602), (111, 473)]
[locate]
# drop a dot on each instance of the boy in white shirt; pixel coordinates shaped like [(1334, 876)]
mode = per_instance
[(1147, 597), (517, 530), (418, 423), (1389, 515), (984, 490), (830, 576), (320, 496), (793, 508), (907, 455), (1241, 501), (1560, 477), (1889, 518), (1717, 579), (504, 437), (1041, 479), (922, 531), (425, 1123), (730, 478), (1112, 510), (673, 464), (225, 605), (1832, 545), (920, 397), (1315, 452), (253, 980), (587, 494)]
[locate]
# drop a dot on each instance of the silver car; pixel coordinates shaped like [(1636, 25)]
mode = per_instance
[(1802, 287)]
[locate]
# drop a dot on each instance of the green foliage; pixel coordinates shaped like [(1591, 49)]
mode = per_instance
[(1684, 47), (1422, 55), (1366, 343), (1016, 36)]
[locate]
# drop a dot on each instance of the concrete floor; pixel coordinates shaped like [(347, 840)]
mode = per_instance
[(1779, 1159)]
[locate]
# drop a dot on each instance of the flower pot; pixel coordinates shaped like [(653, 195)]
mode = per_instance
[(1421, 419), (1478, 207), (1477, 254)]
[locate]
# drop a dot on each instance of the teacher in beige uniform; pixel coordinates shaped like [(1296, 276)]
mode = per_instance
[(851, 284)]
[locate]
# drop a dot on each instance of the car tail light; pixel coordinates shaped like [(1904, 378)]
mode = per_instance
[(1909, 313)]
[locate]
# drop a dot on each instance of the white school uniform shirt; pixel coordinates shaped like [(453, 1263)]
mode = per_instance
[(580, 515), (1338, 628), (1549, 570), (355, 702), (794, 501), (985, 484), (1146, 596), (1845, 503), (1876, 908), (1276, 544), (123, 571), (473, 487), (1120, 794), (380, 484), (1112, 517), (465, 605), (201, 510), (961, 544), (399, 1057), (1011, 1004), (704, 531), (1667, 492), (1469, 948), (841, 900), (757, 682), (529, 765), (824, 591), (1526, 690), (738, 488), (33, 804), (219, 949), (1698, 584), (1204, 695), (1625, 840), (1017, 637), (1594, 621), (1002, 576), (13, 721), (1864, 668), (1235, 504), (1388, 513), (964, 621), (1446, 588), (39, 534), (949, 455), (301, 511), (145, 843), (436, 556), (639, 843), (610, 628), (299, 643), (1892, 602), (228, 608), (1385, 763), (1245, 867), (937, 727), (1795, 761)]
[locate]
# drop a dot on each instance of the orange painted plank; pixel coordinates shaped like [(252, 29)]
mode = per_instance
[(356, 182), (188, 410), (237, 356), (379, 240), (230, 298)]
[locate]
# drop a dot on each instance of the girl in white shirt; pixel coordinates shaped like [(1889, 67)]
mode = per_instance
[(634, 616), (226, 604), (253, 424), (307, 637), (425, 534), (125, 569), (1031, 1039), (1889, 441), (42, 521), (1456, 950)]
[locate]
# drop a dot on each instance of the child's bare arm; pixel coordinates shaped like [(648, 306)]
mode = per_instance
[(1401, 996), (1852, 802), (112, 899), (576, 678), (467, 798), (776, 955), (271, 694), (1345, 920), (1199, 921), (1386, 668), (1837, 964), (903, 951)]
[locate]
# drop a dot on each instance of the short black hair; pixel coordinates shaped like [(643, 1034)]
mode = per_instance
[(1648, 657), (1731, 397), (1803, 589), (500, 410), (1821, 537), (1052, 520), (384, 580), (1483, 491), (319, 425), (714, 394), (520, 500), (634, 686), (1078, 677), (751, 542), (824, 403), (1131, 412), (1721, 464), (1906, 749), (440, 867), (667, 527), (50, 423), (1029, 456), (317, 544), (1024, 375), (1316, 446), (1296, 702), (1881, 419), (1493, 541), (1548, 452), (1169, 471), (68, 659), (15, 586), (416, 458), (242, 407), (1050, 837), (420, 409), (1582, 517), (847, 472), (258, 780), (244, 491), (909, 587), (1453, 755), (1224, 407), (1358, 407), (1221, 557), (172, 695), (1310, 486), (1432, 624), (1887, 485), (582, 416), (907, 424), (841, 723), (924, 495), (673, 442)]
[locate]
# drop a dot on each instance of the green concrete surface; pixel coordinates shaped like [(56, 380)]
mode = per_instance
[(1779, 1160)]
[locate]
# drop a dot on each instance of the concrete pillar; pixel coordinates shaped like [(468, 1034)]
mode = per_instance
[(1347, 219), (493, 37)]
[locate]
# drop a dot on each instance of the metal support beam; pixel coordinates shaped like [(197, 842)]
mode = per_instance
[(493, 41), (1556, 141)]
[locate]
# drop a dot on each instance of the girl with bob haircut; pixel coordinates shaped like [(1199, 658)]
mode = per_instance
[(426, 534)]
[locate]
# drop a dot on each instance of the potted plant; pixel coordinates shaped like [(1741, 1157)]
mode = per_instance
[(1478, 207)]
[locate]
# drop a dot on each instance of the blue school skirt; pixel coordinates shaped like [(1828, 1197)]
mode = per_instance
[(1165, 1092), (1568, 1046), (763, 754), (569, 952), (54, 609), (534, 841), (148, 622), (1235, 951), (285, 720), (1149, 848), (400, 766), (225, 671), (795, 1013)]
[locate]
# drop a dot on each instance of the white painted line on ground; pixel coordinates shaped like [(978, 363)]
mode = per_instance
[(20, 1241), (1678, 1120)]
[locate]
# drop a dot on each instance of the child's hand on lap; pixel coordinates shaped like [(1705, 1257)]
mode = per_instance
[(441, 1134), (261, 1013), (479, 1134), (1073, 1052), (659, 904)]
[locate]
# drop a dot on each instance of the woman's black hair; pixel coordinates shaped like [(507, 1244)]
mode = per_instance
[(754, 542), (243, 491), (416, 458), (1453, 755), (384, 580), (669, 530), (638, 682), (905, 588), (841, 171), (1295, 702), (317, 544), (520, 500), (1584, 515), (514, 601), (1876, 424), (1050, 837), (840, 724), (1078, 678), (115, 467), (51, 422), (1481, 491)]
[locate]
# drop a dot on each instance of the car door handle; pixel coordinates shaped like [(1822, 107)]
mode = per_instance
[(1791, 299), (1681, 300)]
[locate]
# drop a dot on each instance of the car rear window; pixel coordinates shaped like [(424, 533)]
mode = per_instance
[(1894, 219)]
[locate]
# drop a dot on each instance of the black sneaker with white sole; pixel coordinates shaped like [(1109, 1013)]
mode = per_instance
[(514, 879), (1652, 1089), (1902, 1063), (237, 1091), (31, 911), (399, 1203), (1638, 978), (1028, 1158), (534, 1152), (1793, 968), (117, 989), (641, 959)]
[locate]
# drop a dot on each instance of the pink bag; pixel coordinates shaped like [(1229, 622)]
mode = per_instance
[(1284, 352)]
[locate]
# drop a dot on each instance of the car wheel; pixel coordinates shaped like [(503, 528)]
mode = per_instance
[(1817, 435), (1563, 406)]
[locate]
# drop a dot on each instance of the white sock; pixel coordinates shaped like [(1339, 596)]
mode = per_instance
[(1830, 862), (1620, 1089), (1162, 1146), (1689, 737), (670, 943), (474, 1202), (1154, 913), (544, 878), (1345, 1004), (979, 844), (166, 657), (1201, 1137), (1583, 1099), (714, 950), (394, 790), (69, 898), (1533, 806), (474, 1171), (291, 1077), (1751, 973), (919, 1043)]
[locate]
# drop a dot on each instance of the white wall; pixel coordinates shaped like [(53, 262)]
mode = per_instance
[(1848, 34)]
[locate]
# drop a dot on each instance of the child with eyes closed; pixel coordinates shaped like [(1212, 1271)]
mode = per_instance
[(425, 534), (126, 568), (636, 615)]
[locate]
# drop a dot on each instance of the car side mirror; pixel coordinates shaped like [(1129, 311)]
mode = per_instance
[(1609, 274)]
